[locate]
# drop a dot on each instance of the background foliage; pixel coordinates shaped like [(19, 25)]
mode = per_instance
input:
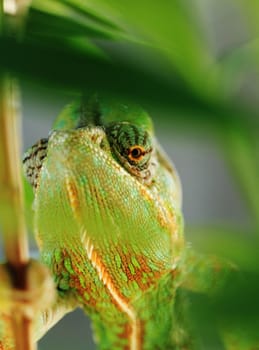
[(164, 54)]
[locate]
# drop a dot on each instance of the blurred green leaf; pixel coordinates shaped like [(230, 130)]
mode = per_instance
[(232, 313), (170, 27), (58, 65), (204, 322), (174, 65), (241, 147), (237, 63), (234, 245), (251, 11), (66, 20)]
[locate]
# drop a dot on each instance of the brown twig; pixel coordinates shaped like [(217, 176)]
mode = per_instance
[(11, 192), (12, 19), (12, 209)]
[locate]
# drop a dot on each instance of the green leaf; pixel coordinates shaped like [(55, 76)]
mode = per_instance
[(236, 63), (65, 20), (237, 246), (170, 27), (232, 314), (241, 148)]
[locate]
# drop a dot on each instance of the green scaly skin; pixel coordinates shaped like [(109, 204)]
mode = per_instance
[(108, 222)]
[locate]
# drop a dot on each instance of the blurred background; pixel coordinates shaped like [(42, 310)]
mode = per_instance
[(193, 65)]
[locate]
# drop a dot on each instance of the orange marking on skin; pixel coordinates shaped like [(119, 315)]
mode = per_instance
[(74, 280), (121, 301), (143, 283), (166, 220), (164, 216), (72, 196), (146, 194), (153, 275), (127, 332)]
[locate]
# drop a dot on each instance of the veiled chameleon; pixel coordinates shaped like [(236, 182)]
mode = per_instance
[(108, 224)]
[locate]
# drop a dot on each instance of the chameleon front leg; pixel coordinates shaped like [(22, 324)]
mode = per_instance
[(40, 299)]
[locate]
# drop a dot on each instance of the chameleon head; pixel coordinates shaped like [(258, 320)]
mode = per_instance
[(107, 189)]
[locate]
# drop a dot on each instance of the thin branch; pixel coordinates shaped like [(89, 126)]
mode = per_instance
[(12, 209), (16, 247), (12, 15)]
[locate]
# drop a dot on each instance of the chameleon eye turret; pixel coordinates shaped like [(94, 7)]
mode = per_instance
[(132, 147)]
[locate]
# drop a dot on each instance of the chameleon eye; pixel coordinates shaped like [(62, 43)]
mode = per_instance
[(132, 147), (136, 153)]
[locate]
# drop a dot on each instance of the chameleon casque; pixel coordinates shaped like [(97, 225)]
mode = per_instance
[(109, 225)]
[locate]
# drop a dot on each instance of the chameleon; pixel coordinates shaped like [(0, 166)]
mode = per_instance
[(109, 225)]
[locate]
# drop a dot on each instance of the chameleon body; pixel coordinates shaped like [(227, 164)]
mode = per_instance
[(108, 223)]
